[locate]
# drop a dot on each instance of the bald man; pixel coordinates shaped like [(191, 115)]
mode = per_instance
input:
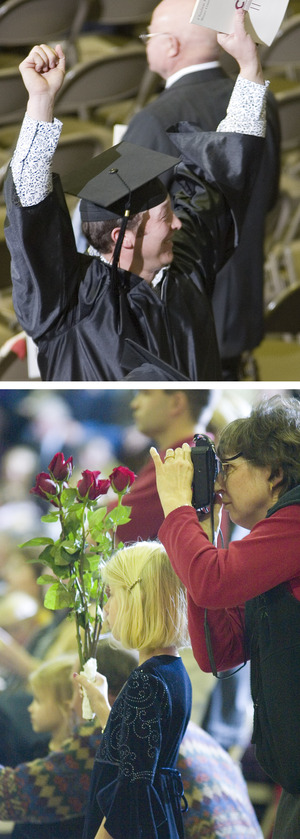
[(197, 89)]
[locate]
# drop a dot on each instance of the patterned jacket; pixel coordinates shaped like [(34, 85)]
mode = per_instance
[(54, 787)]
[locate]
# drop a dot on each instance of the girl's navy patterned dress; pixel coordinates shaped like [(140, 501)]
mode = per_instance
[(135, 784)]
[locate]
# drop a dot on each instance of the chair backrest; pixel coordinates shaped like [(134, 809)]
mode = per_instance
[(27, 22), (293, 8), (101, 81), (13, 358), (283, 55), (289, 116), (122, 12), (282, 314), (72, 149), (292, 261), (13, 96)]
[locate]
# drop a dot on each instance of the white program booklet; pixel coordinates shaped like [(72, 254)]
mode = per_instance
[(262, 21)]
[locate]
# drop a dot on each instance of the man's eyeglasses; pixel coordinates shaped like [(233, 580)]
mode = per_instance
[(145, 37)]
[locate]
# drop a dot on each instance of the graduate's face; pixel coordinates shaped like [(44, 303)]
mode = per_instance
[(154, 245)]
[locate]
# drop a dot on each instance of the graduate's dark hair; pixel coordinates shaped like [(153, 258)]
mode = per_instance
[(98, 233), (269, 437)]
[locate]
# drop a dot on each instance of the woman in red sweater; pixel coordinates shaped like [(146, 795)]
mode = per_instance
[(244, 601)]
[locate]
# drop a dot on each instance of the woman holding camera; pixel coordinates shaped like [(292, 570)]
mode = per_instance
[(244, 602)]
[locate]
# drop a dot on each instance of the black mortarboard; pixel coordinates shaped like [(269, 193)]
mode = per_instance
[(122, 179)]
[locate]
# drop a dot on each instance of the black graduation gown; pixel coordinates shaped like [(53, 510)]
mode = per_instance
[(66, 302), (201, 97)]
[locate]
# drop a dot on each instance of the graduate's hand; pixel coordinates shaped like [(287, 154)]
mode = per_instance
[(174, 477), (43, 73), (242, 47), (97, 693)]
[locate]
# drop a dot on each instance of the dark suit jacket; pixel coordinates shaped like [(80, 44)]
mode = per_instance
[(202, 98)]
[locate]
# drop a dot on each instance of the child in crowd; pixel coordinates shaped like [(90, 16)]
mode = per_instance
[(47, 797), (51, 711), (50, 708), (136, 789)]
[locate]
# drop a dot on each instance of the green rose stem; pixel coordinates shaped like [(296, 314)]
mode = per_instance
[(87, 540), (78, 579)]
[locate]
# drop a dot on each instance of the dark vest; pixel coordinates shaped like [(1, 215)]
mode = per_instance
[(273, 633)]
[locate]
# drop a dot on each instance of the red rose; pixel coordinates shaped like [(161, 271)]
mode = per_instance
[(90, 484), (60, 468), (121, 478), (44, 485)]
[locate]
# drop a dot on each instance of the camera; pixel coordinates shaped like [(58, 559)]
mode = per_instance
[(206, 467)]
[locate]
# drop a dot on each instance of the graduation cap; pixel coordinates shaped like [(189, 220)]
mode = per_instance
[(121, 179), (120, 182)]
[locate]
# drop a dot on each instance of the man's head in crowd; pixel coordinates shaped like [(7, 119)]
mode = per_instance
[(176, 43)]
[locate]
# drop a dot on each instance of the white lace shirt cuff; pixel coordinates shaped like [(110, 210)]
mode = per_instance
[(31, 162), (246, 112)]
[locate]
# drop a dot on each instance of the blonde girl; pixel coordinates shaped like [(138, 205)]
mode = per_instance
[(136, 790)]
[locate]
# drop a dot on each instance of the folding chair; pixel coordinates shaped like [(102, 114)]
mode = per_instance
[(289, 116), (122, 12), (282, 57), (282, 315), (27, 22), (104, 91), (13, 95), (101, 81)]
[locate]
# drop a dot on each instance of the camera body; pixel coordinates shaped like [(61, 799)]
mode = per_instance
[(206, 467)]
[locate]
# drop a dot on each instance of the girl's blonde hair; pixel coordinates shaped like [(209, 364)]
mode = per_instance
[(55, 678), (152, 607)]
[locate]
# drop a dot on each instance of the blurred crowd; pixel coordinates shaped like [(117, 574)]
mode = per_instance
[(97, 428)]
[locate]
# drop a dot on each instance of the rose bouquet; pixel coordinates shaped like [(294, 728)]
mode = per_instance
[(85, 543)]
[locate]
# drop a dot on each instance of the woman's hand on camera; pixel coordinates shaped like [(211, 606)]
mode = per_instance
[(174, 477)]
